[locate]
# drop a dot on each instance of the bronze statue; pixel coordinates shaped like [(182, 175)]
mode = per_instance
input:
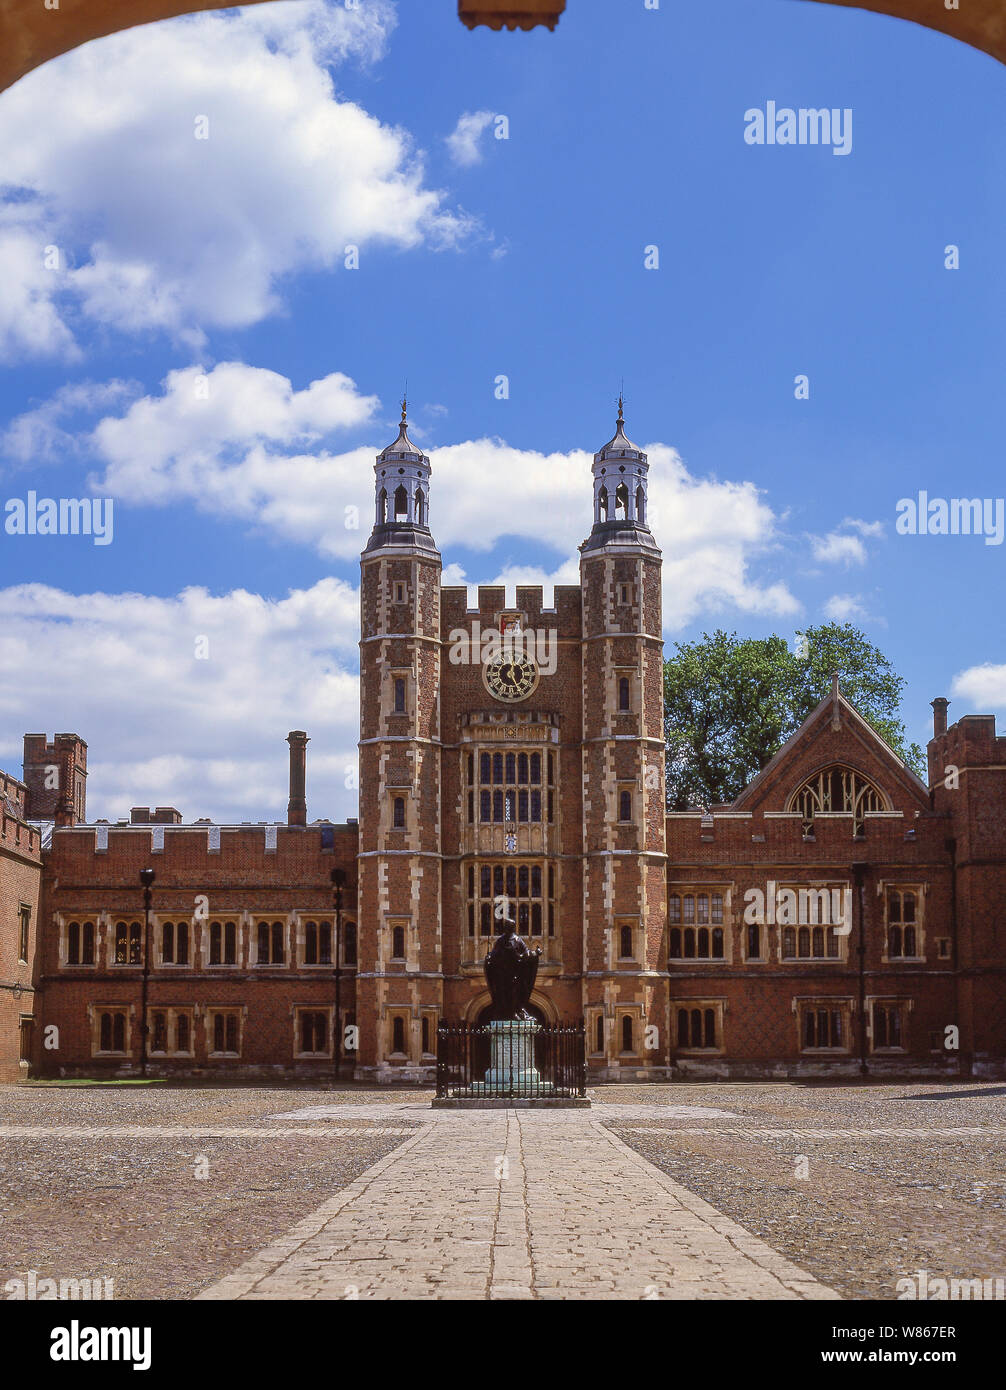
[(511, 970)]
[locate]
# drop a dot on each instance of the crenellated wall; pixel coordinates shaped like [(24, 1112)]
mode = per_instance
[(205, 874)]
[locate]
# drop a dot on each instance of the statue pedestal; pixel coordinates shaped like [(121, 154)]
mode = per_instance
[(512, 1064)]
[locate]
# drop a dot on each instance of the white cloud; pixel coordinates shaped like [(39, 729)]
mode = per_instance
[(159, 230), (464, 140), (216, 437), (39, 436), (843, 608), (165, 727), (30, 324), (838, 549), (842, 547), (984, 687), (873, 530), (241, 451)]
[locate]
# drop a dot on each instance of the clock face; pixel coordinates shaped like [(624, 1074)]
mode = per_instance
[(510, 678)]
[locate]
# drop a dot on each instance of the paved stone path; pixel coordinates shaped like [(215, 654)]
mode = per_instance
[(517, 1204), (193, 1131), (774, 1131)]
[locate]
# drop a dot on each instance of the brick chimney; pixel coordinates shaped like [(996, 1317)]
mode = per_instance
[(55, 775), (64, 813), (940, 706), (296, 810)]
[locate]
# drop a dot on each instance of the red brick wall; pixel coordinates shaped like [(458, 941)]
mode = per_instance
[(83, 884)]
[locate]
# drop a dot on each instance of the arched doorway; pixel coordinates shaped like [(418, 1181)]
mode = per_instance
[(480, 1014), (485, 1014)]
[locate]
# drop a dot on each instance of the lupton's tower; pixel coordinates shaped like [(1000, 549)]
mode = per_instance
[(624, 875), (399, 985)]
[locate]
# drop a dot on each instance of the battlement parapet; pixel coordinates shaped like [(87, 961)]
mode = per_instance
[(202, 852), (778, 836), (17, 836), (563, 613), (971, 742)]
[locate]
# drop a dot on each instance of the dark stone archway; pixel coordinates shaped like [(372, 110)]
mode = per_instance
[(31, 34)]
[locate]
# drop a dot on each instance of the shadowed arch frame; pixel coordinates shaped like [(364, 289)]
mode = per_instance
[(31, 35)]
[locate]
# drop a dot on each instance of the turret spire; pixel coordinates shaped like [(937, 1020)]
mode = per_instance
[(620, 488), (401, 514)]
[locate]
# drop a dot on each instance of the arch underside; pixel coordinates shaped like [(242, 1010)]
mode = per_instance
[(539, 1004), (31, 35)]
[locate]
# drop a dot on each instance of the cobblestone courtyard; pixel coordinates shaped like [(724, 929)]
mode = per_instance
[(776, 1191)]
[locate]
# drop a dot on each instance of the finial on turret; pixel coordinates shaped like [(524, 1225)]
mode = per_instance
[(405, 410), (621, 393)]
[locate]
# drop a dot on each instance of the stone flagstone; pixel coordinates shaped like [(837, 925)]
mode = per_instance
[(517, 1205)]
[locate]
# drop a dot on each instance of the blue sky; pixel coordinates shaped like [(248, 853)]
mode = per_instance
[(222, 261)]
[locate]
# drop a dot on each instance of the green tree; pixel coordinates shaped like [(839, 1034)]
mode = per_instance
[(731, 703)]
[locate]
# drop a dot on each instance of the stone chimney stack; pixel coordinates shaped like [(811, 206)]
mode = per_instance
[(940, 706), (296, 810)]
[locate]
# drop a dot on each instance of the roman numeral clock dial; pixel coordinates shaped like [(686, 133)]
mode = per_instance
[(510, 678)]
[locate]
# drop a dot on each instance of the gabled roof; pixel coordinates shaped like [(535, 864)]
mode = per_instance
[(831, 707)]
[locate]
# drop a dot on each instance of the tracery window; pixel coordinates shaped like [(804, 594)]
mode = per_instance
[(510, 788), (840, 789), (696, 931), (529, 893)]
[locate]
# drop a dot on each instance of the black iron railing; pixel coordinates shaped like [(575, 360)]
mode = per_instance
[(512, 1060)]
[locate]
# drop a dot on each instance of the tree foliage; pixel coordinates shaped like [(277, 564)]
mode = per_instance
[(731, 703)]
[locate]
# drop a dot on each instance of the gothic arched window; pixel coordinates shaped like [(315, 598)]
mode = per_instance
[(621, 503), (837, 789), (602, 504), (382, 507), (640, 505), (420, 508), (401, 504)]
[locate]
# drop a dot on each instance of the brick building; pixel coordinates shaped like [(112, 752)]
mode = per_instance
[(839, 917), (20, 877)]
